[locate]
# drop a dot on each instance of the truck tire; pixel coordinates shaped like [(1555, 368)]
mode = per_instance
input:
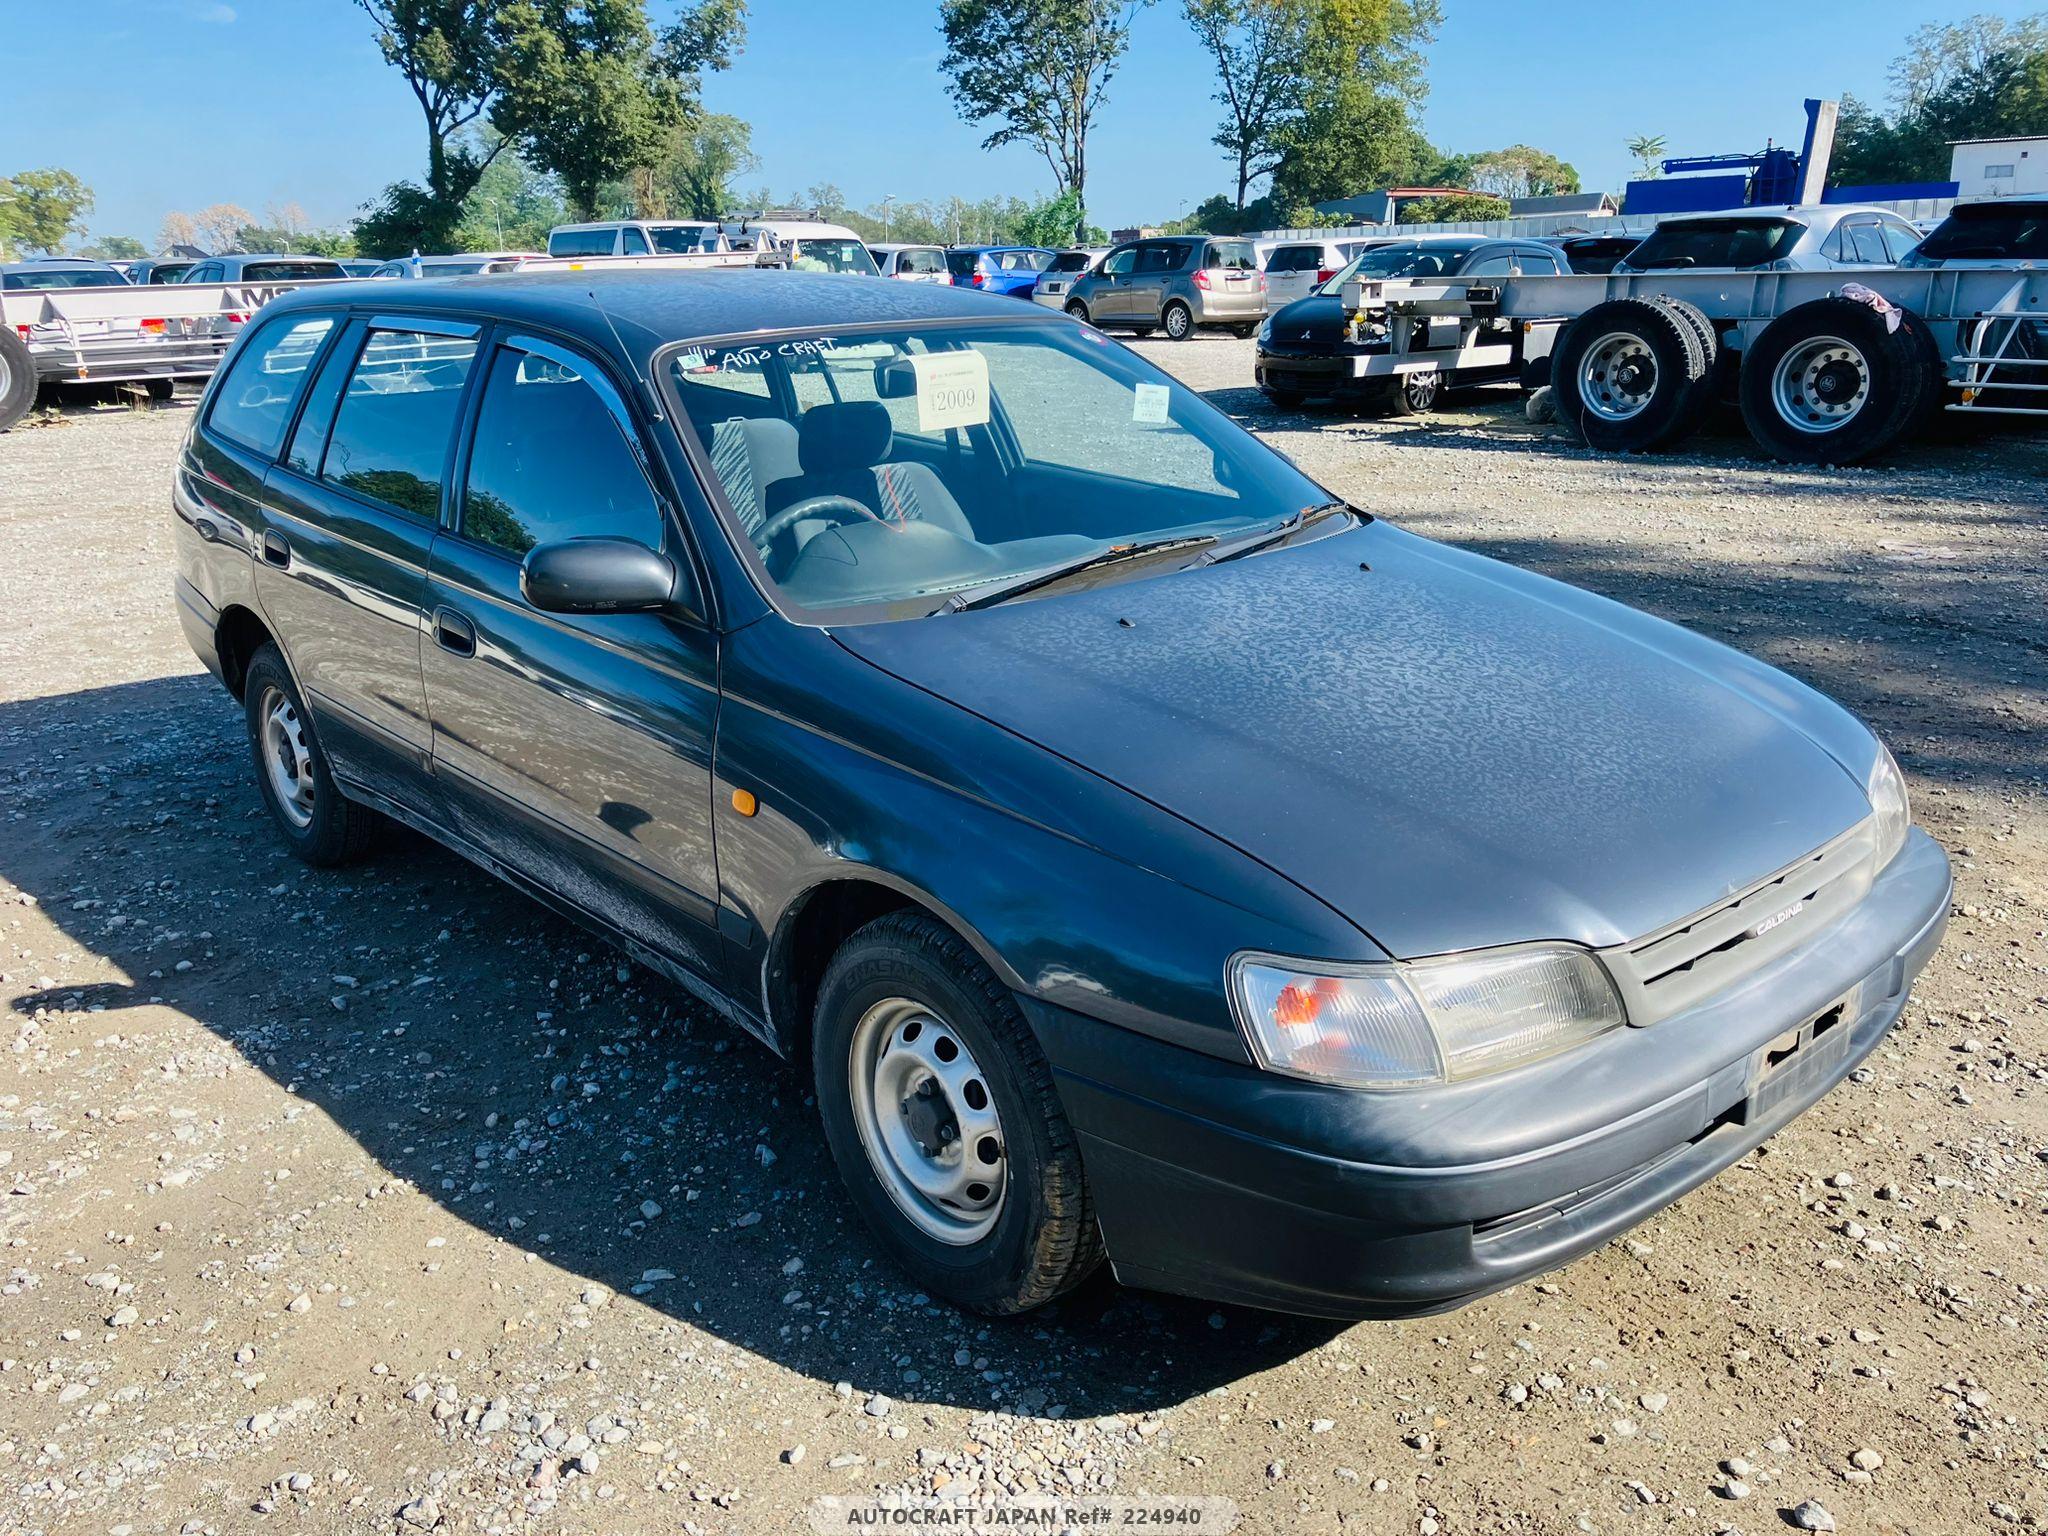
[(17, 379), (1710, 346), (1831, 383), (1628, 375)]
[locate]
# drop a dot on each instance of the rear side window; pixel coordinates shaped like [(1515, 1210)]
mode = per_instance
[(255, 400), (390, 437), (550, 461), (580, 242)]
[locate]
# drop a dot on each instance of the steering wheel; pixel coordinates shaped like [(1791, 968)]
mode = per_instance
[(841, 509)]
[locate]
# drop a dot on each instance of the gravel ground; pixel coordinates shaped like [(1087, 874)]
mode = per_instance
[(382, 1199)]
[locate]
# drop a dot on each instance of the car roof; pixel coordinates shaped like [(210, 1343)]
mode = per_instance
[(645, 310), (69, 263)]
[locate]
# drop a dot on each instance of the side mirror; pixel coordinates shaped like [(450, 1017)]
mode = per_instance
[(597, 576)]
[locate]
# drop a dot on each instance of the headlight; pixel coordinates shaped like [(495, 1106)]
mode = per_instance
[(1265, 330), (1886, 788), (1403, 1025)]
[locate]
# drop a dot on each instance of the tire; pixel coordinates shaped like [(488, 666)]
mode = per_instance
[(160, 389), (1830, 383), (1627, 375), (1244, 332), (899, 995), (1178, 320), (1710, 355), (1142, 331), (1079, 311), (1412, 394), (1285, 399), (319, 825), (17, 378)]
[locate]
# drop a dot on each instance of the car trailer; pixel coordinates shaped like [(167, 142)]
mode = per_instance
[(156, 335), (1828, 367)]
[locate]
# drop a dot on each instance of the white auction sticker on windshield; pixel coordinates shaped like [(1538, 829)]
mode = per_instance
[(1149, 403), (952, 389)]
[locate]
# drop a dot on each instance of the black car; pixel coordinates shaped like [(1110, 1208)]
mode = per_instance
[(166, 270), (1137, 849), (1310, 348)]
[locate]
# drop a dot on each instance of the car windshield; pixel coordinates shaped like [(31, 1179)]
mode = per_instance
[(1979, 232), (290, 271), (889, 471), (64, 277), (1716, 243), (1406, 259), (680, 240), (827, 255)]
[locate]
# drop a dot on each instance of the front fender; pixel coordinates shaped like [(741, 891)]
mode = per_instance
[(1074, 890)]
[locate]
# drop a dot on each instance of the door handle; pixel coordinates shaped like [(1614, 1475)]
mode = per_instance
[(275, 550), (453, 633)]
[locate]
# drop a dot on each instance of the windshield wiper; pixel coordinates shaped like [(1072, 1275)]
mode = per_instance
[(1003, 591), (1279, 532)]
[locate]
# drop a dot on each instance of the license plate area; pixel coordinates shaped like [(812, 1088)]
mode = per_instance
[(1792, 1064)]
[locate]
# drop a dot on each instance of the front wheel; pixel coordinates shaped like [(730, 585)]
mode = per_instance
[(1179, 321), (941, 1114)]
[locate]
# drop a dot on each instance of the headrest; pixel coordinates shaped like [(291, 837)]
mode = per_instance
[(833, 439)]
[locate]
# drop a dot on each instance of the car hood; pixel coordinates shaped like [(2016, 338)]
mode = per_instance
[(1449, 752), (1313, 323)]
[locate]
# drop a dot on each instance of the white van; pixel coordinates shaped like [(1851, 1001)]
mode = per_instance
[(913, 263), (811, 244), (636, 237)]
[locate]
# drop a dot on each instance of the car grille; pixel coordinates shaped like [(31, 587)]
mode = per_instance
[(1678, 967)]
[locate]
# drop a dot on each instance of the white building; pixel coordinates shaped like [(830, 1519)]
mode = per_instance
[(1999, 167)]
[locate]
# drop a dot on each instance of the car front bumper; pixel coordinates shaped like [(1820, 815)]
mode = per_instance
[(1327, 374), (1214, 1179)]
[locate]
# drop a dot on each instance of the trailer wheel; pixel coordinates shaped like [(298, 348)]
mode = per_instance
[(1628, 376), (17, 379), (1831, 383), (1710, 346)]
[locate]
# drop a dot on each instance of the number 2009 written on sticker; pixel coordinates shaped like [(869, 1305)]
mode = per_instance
[(952, 390)]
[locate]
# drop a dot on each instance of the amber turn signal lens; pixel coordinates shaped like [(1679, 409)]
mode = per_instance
[(744, 803)]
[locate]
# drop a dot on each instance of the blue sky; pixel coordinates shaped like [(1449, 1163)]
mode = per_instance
[(162, 104)]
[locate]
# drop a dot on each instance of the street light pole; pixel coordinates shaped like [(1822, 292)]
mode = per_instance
[(888, 216)]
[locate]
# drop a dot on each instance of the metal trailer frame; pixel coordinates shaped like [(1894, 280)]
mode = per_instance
[(169, 331), (1985, 322)]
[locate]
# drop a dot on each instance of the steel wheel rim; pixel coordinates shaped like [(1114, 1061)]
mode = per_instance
[(286, 758), (1177, 322), (6, 375), (1821, 384), (913, 1080), (1618, 376)]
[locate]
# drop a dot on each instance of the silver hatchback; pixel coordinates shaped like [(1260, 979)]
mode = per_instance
[(1174, 283)]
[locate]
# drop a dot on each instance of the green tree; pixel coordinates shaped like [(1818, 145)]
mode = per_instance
[(1040, 70), (694, 177), (448, 52), (1276, 58), (1979, 78), (1459, 208), (511, 208), (42, 210), (1521, 170), (1356, 137), (1649, 153), (115, 248)]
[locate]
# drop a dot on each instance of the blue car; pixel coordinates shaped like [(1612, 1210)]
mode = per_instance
[(1011, 270)]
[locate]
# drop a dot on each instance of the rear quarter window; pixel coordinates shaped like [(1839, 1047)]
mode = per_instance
[(255, 399)]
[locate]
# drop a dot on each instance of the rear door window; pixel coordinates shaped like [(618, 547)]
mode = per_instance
[(632, 242), (551, 460), (255, 400), (391, 436), (580, 242)]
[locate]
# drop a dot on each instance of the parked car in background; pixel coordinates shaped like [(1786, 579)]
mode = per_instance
[(1800, 238), (812, 245), (1297, 268), (269, 268), (636, 237), (1174, 283), (1594, 253), (468, 264), (913, 263), (60, 272), (1991, 232), (1011, 270), (151, 270), (1307, 349), (1057, 280), (858, 683)]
